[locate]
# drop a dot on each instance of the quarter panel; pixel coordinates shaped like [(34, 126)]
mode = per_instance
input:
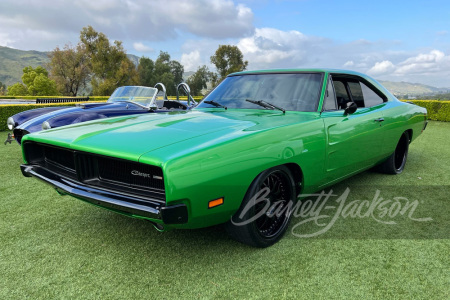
[(400, 117)]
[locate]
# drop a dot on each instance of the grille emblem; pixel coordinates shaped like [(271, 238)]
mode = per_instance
[(145, 175)]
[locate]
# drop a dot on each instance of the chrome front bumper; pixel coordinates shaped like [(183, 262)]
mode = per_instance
[(122, 203)]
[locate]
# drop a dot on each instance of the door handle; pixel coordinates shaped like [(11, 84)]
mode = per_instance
[(379, 120)]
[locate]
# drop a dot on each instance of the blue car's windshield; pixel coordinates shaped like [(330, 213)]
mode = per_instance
[(141, 95), (290, 91)]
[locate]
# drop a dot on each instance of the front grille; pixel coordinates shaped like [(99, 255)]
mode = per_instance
[(63, 158), (87, 166), (133, 173), (100, 171)]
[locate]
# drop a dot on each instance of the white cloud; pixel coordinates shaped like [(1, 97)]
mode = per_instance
[(381, 68), (349, 63), (125, 20), (191, 61), (431, 68), (143, 25), (140, 47), (434, 61), (270, 46), (6, 39), (423, 63)]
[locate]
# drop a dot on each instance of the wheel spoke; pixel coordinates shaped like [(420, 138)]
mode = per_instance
[(279, 189)]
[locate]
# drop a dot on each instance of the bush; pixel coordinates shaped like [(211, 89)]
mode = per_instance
[(437, 110)]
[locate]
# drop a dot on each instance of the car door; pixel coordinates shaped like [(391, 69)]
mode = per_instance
[(354, 141)]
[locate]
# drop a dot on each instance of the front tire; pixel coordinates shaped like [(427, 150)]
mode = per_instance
[(263, 223), (396, 162)]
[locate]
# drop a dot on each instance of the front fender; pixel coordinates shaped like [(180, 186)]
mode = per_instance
[(27, 115)]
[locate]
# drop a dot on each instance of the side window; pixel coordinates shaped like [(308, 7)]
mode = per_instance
[(370, 97), (357, 93), (330, 99), (341, 94)]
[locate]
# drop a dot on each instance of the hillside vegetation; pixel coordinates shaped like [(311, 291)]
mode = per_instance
[(401, 89), (12, 62)]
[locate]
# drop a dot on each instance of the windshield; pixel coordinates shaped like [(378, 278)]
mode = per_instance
[(141, 95), (290, 91)]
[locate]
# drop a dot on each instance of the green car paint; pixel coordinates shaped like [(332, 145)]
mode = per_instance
[(209, 153)]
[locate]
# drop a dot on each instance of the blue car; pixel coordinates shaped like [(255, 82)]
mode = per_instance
[(126, 100)]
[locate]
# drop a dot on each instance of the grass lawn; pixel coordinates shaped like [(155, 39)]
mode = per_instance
[(59, 247)]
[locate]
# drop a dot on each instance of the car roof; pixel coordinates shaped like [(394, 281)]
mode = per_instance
[(315, 70)]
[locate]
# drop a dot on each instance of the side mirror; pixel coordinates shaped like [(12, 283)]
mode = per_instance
[(351, 108)]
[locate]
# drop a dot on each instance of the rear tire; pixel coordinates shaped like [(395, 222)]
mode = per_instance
[(263, 223), (396, 162)]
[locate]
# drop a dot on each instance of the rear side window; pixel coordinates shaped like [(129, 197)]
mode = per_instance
[(370, 97), (357, 94)]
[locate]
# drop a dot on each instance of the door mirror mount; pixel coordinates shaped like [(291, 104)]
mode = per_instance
[(351, 108)]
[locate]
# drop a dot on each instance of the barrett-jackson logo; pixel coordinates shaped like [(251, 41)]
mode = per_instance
[(145, 175)]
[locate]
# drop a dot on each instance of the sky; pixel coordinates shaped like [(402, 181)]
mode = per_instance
[(390, 40)]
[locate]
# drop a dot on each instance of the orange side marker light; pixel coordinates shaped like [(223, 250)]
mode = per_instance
[(216, 202)]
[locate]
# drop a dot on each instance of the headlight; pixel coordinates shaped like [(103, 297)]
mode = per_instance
[(11, 123), (46, 125)]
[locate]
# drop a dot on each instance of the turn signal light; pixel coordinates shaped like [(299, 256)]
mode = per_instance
[(216, 202)]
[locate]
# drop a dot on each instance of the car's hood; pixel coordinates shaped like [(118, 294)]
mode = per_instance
[(130, 137), (32, 120)]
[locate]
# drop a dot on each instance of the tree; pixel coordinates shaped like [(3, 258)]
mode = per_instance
[(109, 64), (43, 86), (70, 69), (30, 74), (162, 63), (35, 83), (177, 70), (228, 59), (125, 75), (17, 89), (146, 72), (199, 80), (168, 80), (169, 72), (2, 89)]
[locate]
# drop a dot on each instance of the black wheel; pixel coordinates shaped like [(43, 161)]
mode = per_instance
[(396, 162), (262, 223)]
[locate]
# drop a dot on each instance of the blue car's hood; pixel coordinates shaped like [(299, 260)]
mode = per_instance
[(71, 115)]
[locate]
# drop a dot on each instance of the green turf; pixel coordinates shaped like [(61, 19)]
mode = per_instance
[(59, 247)]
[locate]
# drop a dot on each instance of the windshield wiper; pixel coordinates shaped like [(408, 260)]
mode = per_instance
[(216, 104), (266, 104)]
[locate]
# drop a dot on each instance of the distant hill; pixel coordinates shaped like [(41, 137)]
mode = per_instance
[(134, 58), (12, 62), (412, 89)]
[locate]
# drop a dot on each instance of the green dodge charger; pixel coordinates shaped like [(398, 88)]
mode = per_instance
[(255, 144)]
